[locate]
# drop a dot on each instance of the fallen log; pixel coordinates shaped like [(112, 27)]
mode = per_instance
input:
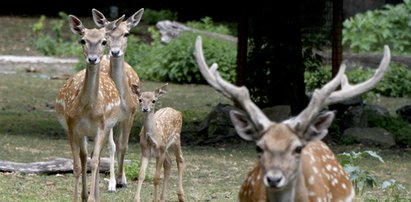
[(171, 29), (58, 165)]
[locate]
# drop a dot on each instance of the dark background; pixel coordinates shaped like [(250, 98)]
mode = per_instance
[(185, 9)]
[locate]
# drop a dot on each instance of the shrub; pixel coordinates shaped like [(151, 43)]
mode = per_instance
[(395, 83), (401, 129), (151, 16), (371, 30), (174, 62), (207, 23), (55, 44), (316, 77), (360, 178)]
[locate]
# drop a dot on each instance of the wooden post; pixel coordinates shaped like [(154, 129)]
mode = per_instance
[(242, 47), (336, 40)]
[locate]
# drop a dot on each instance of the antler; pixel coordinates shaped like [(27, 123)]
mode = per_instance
[(327, 95), (239, 95)]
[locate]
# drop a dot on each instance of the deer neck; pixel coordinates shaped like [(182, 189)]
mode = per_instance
[(90, 90), (149, 122), (292, 192), (149, 127), (117, 73)]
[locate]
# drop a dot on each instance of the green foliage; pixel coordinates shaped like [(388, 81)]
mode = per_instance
[(207, 23), (133, 169), (360, 178), (316, 77), (151, 16), (400, 128), (54, 44), (394, 188), (174, 62), (39, 25), (395, 83), (391, 190), (371, 30)]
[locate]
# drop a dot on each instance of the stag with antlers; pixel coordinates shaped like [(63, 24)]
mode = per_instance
[(294, 164)]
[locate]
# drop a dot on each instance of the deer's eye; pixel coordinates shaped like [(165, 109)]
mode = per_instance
[(139, 100), (104, 42), (153, 101), (298, 149), (82, 41)]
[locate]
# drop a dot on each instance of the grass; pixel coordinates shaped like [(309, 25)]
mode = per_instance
[(29, 132), (203, 179)]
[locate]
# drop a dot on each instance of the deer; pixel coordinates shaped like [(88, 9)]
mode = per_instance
[(294, 164), (124, 77), (88, 105), (160, 132)]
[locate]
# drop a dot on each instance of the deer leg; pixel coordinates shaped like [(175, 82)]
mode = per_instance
[(180, 166), (95, 161), (167, 171), (124, 133), (112, 151), (160, 160), (83, 159), (76, 165), (145, 157)]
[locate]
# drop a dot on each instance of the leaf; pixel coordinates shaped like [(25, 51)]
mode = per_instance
[(387, 183), (375, 155)]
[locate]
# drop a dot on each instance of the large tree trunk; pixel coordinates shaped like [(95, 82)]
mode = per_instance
[(275, 71)]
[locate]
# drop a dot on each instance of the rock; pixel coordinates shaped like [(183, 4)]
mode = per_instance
[(370, 136)]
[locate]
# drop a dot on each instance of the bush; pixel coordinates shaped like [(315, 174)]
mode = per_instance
[(316, 77), (55, 44), (371, 30), (174, 62), (395, 83), (151, 17), (360, 178), (400, 128), (207, 23)]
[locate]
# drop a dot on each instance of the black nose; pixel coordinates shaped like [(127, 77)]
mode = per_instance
[(92, 60), (274, 181), (115, 52), (144, 110)]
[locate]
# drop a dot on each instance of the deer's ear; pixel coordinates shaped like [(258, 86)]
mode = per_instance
[(136, 90), (318, 128), (76, 25), (244, 126), (161, 91), (99, 18), (133, 20), (111, 26)]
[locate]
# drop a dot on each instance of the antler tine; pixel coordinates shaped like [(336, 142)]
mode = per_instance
[(348, 91), (327, 95), (205, 70), (239, 95)]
